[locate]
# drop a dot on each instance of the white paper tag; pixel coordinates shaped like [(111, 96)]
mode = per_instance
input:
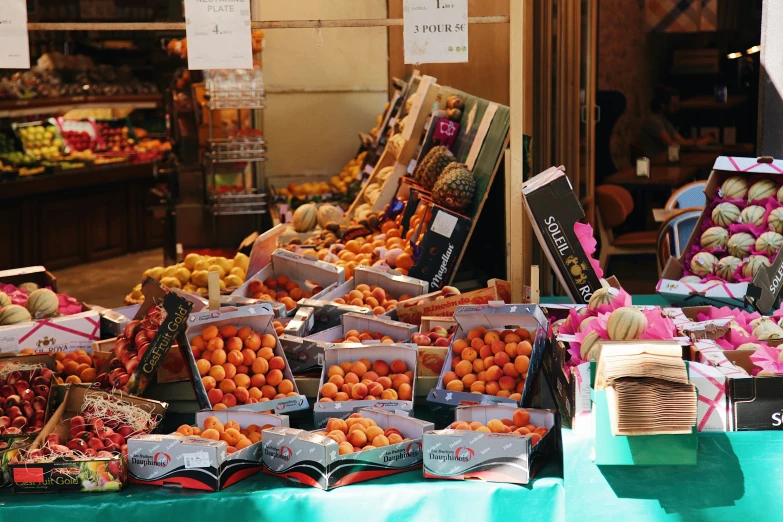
[(196, 460), (9, 343), (444, 224), (411, 166), (436, 31), (14, 43), (218, 34)]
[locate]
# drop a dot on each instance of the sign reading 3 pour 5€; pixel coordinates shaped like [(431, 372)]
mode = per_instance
[(218, 34), (436, 31)]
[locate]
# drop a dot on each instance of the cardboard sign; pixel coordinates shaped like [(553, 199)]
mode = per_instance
[(436, 31), (219, 35), (14, 42)]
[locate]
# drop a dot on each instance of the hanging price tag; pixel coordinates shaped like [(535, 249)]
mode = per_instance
[(218, 34), (436, 31), (14, 43)]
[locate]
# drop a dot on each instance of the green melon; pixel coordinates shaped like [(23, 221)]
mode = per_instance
[(751, 347), (767, 328), (753, 215), (775, 220), (602, 296), (14, 314), (714, 237), (690, 279), (735, 187), (4, 299), (42, 303), (761, 189), (590, 348), (586, 321), (725, 214), (703, 264), (28, 287), (780, 194), (625, 324), (753, 264), (769, 242), (726, 268), (739, 244)]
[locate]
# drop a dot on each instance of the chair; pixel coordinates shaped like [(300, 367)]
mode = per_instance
[(613, 105), (615, 204), (674, 234), (688, 196)]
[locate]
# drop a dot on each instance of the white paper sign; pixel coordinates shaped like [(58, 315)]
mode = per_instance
[(436, 31), (14, 43), (218, 34)]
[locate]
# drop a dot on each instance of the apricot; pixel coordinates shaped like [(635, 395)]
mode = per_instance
[(478, 366), (359, 391), (242, 380), (455, 385), (459, 346), (337, 436), (477, 343), (351, 378), (516, 396), (389, 395), (405, 392), (501, 359), (216, 343), (185, 430), (285, 386), (503, 393), (274, 377), (534, 438), (69, 367), (268, 391), (485, 351), (497, 347), (231, 436), (227, 385), (477, 387), (341, 396), (483, 429), (476, 332), (373, 431), (198, 342), (335, 370), (541, 430), (492, 388), (491, 336), (370, 376), (230, 370), (203, 366), (357, 438), (394, 438), (469, 379), (210, 434), (329, 390), (375, 389), (410, 376), (494, 373), (384, 381), (399, 380), (460, 425), (489, 361), (217, 373), (214, 423), (248, 356), (241, 394), (463, 368), (358, 368), (208, 382), (521, 363), (345, 448), (277, 363), (398, 366), (496, 426), (260, 366), (209, 332), (244, 332), (510, 370), (233, 357), (215, 395), (522, 431), (368, 447), (524, 348)]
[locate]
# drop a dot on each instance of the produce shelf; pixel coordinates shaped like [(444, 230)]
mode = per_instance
[(19, 108)]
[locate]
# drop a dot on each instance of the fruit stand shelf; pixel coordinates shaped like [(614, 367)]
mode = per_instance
[(19, 108)]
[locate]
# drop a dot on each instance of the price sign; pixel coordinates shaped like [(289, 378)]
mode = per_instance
[(436, 31), (14, 43), (218, 34)]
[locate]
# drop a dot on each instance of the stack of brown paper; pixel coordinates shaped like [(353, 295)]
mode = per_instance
[(647, 388)]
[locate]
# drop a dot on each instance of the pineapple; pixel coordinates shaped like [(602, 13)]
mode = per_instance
[(455, 188), (432, 165)]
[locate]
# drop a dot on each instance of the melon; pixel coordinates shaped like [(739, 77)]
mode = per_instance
[(625, 324), (780, 198), (752, 347), (703, 264), (772, 334), (14, 314), (761, 189), (327, 213), (753, 215), (590, 348), (691, 279), (725, 214), (602, 296), (305, 218), (42, 303), (752, 265), (714, 237), (739, 244), (775, 220), (769, 242), (726, 268), (586, 321), (4, 299), (766, 328), (736, 187), (28, 287), (755, 322)]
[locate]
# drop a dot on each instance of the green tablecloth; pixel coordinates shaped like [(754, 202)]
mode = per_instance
[(737, 478), (404, 497), (644, 300)]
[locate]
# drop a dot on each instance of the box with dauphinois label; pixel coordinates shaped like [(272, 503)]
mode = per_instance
[(492, 457), (314, 459), (554, 209), (195, 462)]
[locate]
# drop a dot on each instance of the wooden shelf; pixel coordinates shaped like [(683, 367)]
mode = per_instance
[(20, 108)]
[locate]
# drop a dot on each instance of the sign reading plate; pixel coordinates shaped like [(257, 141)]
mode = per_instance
[(218, 34), (436, 31), (14, 44)]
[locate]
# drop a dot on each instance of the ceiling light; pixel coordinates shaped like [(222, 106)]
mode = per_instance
[(754, 49), (734, 56)]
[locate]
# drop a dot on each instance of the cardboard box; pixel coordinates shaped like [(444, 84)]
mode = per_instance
[(395, 285), (499, 317), (302, 323), (194, 462), (86, 474), (443, 243), (30, 274), (66, 333), (335, 354), (298, 268), (432, 358), (174, 367), (553, 209), (313, 459), (765, 286), (432, 304), (327, 314), (176, 310), (259, 318), (490, 457), (754, 403)]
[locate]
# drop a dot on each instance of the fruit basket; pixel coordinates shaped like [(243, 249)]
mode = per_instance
[(40, 139), (80, 135)]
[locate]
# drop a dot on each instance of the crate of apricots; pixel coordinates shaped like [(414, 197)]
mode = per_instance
[(290, 277), (377, 290), (225, 446), (494, 356), (370, 443), (498, 443), (359, 376), (75, 367), (240, 361)]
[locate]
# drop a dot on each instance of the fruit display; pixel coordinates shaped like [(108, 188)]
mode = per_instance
[(79, 140), (40, 303), (282, 290), (364, 380), (192, 275), (75, 367), (358, 433), (235, 437), (438, 336), (490, 362), (239, 366), (116, 138), (41, 141), (373, 190), (355, 336), (371, 296), (518, 424), (24, 395), (279, 328), (305, 218)]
